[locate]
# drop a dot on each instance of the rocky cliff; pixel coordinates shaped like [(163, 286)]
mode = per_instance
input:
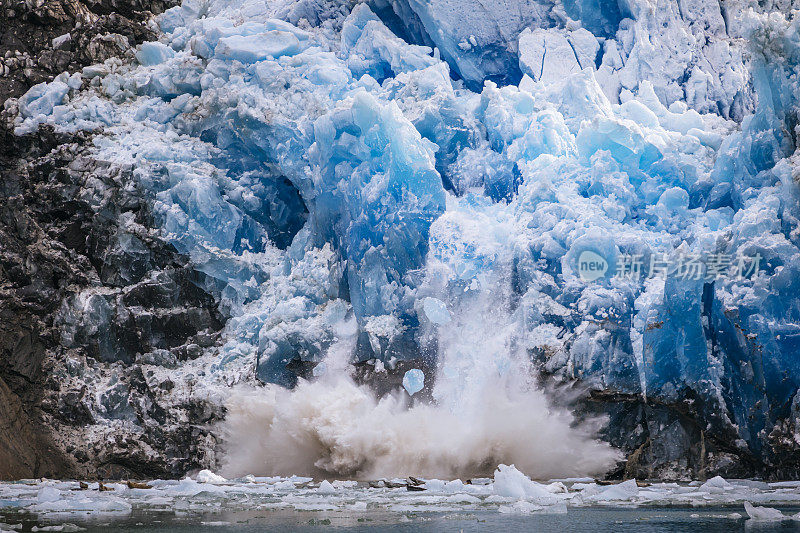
[(60, 234)]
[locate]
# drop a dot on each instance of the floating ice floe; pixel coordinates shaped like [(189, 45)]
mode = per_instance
[(766, 513), (326, 488), (509, 491), (207, 476)]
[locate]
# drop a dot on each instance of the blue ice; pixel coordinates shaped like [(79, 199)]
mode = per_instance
[(389, 170)]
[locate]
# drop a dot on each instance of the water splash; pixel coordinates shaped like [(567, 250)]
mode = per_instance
[(336, 427), (486, 408)]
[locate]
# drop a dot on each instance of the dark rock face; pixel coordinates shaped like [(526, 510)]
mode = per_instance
[(40, 39), (25, 445), (686, 440), (87, 285), (670, 441), (87, 289)]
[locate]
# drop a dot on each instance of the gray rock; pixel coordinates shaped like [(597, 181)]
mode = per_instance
[(88, 291)]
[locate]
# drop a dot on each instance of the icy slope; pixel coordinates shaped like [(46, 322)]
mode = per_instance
[(348, 195)]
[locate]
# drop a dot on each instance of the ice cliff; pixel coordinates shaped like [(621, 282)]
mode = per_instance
[(395, 172)]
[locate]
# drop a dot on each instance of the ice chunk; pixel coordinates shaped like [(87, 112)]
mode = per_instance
[(586, 47), (413, 381), (207, 476), (716, 485), (48, 494), (320, 369), (85, 504), (580, 98), (436, 311), (63, 528), (677, 118), (627, 490), (674, 202), (550, 56), (479, 43), (763, 513), (42, 98), (379, 193), (326, 488), (153, 53), (486, 169), (376, 51), (510, 482), (252, 48), (653, 44), (520, 507)]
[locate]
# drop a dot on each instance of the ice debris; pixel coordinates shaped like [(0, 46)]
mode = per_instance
[(508, 481), (48, 494), (326, 488), (716, 485), (413, 381), (436, 311), (510, 491), (207, 476), (764, 513)]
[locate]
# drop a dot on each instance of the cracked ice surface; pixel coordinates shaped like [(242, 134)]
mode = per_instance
[(327, 173)]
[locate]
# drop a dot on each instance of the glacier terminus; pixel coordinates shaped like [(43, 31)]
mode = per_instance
[(437, 236)]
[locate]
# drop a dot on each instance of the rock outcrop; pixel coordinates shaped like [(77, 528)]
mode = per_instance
[(68, 224)]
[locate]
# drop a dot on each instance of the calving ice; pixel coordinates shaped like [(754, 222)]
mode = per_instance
[(559, 234)]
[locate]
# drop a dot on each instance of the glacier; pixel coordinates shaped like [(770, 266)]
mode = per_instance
[(418, 181)]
